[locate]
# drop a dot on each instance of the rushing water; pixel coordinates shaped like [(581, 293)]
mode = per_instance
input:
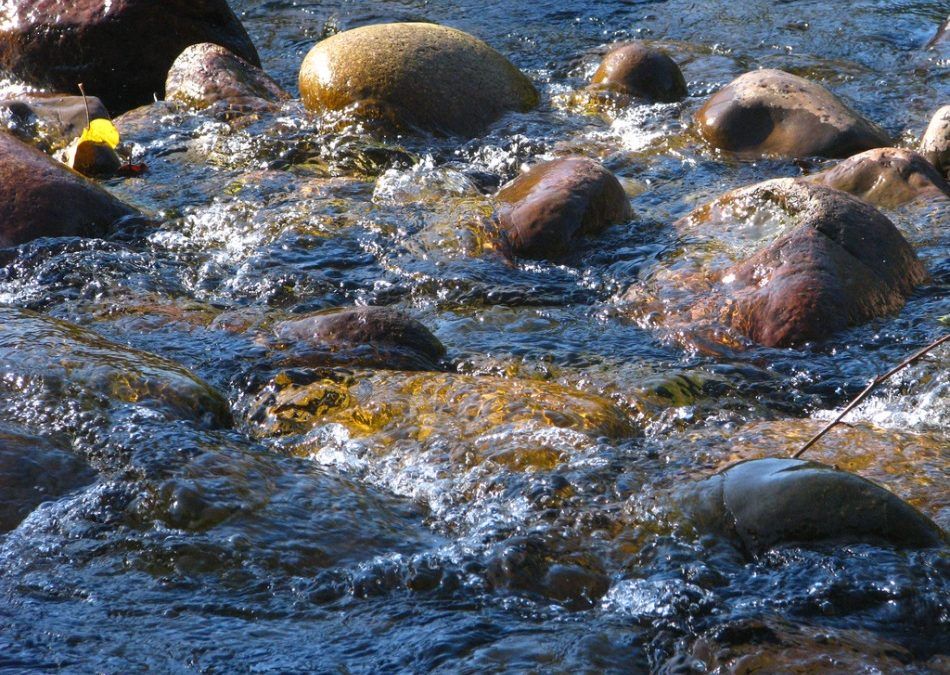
[(511, 513)]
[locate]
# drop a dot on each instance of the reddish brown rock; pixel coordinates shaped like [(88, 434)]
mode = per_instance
[(637, 70), (935, 145), (121, 50), (206, 73), (543, 210), (839, 263), (42, 198), (885, 177), (373, 337), (771, 112)]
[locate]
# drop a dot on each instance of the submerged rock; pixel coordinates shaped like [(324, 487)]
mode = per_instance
[(50, 121), (206, 73), (771, 112), (33, 470), (42, 198), (120, 50), (764, 503), (836, 262), (935, 145), (885, 177), (417, 75), (369, 337), (634, 69), (545, 209)]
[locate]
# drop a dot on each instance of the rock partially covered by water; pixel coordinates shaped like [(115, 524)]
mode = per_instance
[(49, 367), (935, 145), (417, 75), (370, 337), (50, 121), (206, 73), (545, 209), (42, 198), (838, 262), (121, 50), (885, 177), (771, 112), (33, 470), (637, 70), (764, 503)]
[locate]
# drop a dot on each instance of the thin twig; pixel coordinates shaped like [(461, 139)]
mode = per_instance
[(867, 390), (85, 103)]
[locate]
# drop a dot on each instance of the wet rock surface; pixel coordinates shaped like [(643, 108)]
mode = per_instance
[(545, 209), (771, 112), (42, 198), (205, 74), (935, 144), (50, 121), (771, 502), (640, 71), (415, 75), (885, 177), (121, 51)]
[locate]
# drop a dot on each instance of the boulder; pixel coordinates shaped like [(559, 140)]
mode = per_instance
[(771, 112), (634, 69), (206, 73), (416, 75), (371, 337), (543, 210), (835, 262), (935, 144), (885, 177), (33, 470), (41, 198), (121, 50), (763, 503), (50, 121)]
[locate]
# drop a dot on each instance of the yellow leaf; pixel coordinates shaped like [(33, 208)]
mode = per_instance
[(101, 131)]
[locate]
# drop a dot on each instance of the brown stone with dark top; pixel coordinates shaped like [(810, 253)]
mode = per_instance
[(414, 75), (42, 198), (641, 71), (120, 50), (771, 112), (206, 73), (543, 210)]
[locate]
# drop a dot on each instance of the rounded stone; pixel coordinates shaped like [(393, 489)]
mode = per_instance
[(50, 121), (641, 71), (206, 73), (416, 75), (935, 144), (546, 208), (120, 50), (763, 503), (771, 112), (885, 177), (42, 198)]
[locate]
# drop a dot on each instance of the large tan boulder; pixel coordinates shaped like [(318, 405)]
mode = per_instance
[(415, 75), (121, 50), (771, 112), (935, 144)]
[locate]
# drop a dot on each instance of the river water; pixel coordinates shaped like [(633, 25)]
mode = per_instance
[(511, 513)]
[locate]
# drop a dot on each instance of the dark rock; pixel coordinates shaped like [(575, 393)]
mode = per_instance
[(206, 73), (416, 75), (771, 112), (42, 198), (839, 263), (543, 210), (374, 337), (50, 121), (935, 144), (764, 503), (120, 50), (941, 37), (885, 177), (641, 71), (32, 471)]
